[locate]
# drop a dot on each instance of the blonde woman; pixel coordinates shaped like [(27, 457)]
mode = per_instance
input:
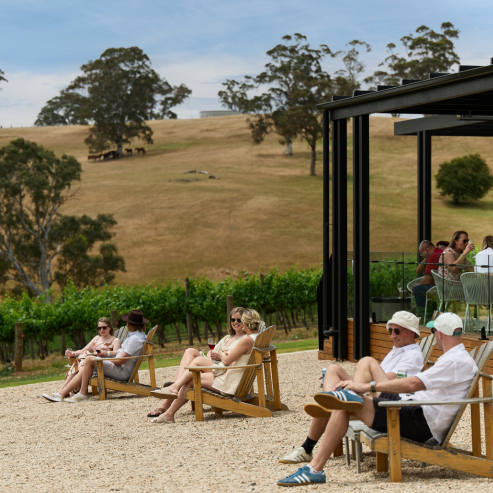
[(225, 382), (236, 332), (116, 369), (454, 256), (103, 342)]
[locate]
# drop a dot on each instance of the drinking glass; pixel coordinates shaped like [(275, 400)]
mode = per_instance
[(399, 287), (211, 343)]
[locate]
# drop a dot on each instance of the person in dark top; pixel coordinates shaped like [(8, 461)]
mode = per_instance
[(431, 256)]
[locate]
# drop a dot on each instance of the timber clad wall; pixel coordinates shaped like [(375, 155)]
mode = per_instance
[(381, 344)]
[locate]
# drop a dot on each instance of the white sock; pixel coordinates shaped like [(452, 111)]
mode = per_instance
[(58, 394), (313, 470), (352, 392)]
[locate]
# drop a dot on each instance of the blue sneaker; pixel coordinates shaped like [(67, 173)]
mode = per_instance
[(339, 399), (302, 477)]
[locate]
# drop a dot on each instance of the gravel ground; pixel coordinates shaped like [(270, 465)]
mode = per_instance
[(111, 446)]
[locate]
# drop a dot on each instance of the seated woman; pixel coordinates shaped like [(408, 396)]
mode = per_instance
[(105, 342), (224, 382), (119, 369), (454, 256), (236, 333), (484, 259)]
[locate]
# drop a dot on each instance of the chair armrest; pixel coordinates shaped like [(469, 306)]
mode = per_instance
[(477, 400), (118, 358), (265, 349), (217, 367), (485, 375)]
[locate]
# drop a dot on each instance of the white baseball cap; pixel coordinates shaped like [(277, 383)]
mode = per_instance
[(405, 320), (447, 323)]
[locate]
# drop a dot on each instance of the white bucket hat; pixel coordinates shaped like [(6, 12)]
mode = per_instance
[(406, 320), (448, 323)]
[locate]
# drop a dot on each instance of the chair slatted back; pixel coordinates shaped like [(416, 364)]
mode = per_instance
[(144, 350), (249, 375), (481, 356), (448, 290), (123, 333), (478, 288), (427, 344)]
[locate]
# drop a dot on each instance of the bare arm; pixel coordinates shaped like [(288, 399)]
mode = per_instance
[(396, 386), (87, 347), (421, 267), (243, 347), (120, 362)]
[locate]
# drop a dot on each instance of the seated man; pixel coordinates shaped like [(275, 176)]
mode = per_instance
[(431, 256), (405, 355), (449, 379)]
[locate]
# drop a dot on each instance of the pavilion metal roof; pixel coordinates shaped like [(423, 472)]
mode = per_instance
[(467, 92), (444, 125)]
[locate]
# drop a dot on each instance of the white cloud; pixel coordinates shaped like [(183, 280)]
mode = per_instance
[(25, 93)]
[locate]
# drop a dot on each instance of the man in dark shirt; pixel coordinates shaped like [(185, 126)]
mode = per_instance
[(431, 256)]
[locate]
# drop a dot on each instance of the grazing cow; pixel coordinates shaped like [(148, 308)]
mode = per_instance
[(140, 150), (97, 156), (128, 151)]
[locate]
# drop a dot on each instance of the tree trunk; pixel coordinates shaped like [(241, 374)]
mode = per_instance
[(3, 359), (219, 330), (160, 335), (293, 317), (64, 343), (289, 146), (177, 326), (313, 161), (311, 313), (31, 347), (196, 329)]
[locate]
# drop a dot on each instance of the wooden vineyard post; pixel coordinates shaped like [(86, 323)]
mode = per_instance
[(262, 285), (63, 343), (189, 315), (19, 346), (229, 306), (114, 318)]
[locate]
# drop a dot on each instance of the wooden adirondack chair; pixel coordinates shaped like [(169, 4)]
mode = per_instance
[(355, 426), (395, 447), (244, 401), (100, 383)]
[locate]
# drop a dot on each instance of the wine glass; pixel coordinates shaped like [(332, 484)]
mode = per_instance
[(69, 349), (400, 288), (211, 343)]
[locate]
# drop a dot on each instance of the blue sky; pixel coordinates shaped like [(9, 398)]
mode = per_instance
[(202, 43)]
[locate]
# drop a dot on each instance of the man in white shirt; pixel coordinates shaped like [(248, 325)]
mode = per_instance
[(449, 379), (405, 355)]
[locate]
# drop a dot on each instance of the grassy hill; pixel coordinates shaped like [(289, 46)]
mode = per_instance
[(264, 211)]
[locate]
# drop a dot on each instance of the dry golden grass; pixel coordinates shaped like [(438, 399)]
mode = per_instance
[(264, 211)]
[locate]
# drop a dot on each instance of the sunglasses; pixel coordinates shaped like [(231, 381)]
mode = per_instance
[(233, 320), (103, 327), (397, 331), (464, 241)]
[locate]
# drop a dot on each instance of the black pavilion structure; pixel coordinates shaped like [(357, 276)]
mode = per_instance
[(461, 104)]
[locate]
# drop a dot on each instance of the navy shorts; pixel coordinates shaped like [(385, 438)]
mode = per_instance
[(413, 422)]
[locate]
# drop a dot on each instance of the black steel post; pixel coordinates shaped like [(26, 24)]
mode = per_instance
[(339, 236), (424, 186), (361, 236), (327, 322)]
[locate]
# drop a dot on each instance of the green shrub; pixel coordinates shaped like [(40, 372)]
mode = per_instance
[(464, 178)]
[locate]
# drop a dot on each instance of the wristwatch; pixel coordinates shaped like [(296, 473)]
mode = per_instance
[(372, 386)]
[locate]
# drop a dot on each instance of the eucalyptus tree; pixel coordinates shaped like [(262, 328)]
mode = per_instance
[(295, 83), (39, 245), (425, 53), (116, 95)]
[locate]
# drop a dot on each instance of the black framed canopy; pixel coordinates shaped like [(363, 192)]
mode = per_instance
[(461, 104)]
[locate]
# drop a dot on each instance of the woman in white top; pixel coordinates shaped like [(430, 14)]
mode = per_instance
[(235, 355), (484, 259), (235, 333)]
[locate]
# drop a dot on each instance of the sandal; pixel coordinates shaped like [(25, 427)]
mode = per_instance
[(156, 413), (167, 384)]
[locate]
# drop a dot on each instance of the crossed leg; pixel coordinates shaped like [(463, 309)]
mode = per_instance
[(367, 370), (81, 379)]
